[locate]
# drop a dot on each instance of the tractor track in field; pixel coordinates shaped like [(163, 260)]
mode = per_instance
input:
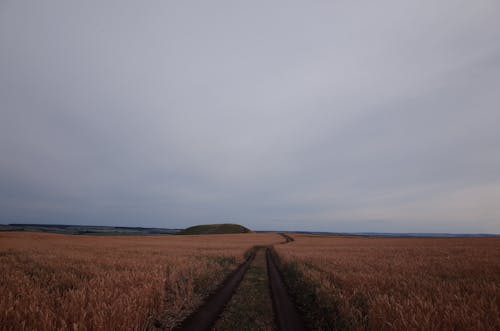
[(288, 239), (205, 316), (286, 315)]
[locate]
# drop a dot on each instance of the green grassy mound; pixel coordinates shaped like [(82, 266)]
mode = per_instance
[(215, 229)]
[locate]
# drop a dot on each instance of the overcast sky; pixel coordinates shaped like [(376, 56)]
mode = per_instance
[(301, 115)]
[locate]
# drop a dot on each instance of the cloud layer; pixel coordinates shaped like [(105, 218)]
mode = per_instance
[(328, 116)]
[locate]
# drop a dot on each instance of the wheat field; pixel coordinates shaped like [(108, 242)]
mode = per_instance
[(396, 284), (63, 282)]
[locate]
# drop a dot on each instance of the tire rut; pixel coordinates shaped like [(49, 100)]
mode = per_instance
[(205, 316), (251, 307), (286, 315)]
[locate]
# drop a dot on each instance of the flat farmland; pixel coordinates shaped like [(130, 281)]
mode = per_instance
[(68, 282), (62, 282), (342, 283)]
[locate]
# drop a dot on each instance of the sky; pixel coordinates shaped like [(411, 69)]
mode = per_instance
[(279, 115)]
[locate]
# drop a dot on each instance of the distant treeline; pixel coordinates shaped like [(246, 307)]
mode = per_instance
[(89, 230)]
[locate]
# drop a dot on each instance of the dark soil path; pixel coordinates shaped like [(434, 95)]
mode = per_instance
[(207, 314), (287, 316), (250, 308), (287, 238)]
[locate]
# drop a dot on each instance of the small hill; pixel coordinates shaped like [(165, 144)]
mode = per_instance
[(214, 229)]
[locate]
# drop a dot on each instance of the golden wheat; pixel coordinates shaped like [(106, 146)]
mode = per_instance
[(401, 284), (62, 282)]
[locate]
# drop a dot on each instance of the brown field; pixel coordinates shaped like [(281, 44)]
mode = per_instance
[(395, 284), (62, 282)]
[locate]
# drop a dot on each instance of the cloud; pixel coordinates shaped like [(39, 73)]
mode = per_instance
[(326, 116)]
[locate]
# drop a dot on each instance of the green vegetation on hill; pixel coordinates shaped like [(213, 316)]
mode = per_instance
[(215, 229)]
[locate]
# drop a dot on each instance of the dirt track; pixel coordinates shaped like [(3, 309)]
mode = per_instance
[(287, 238), (286, 315), (207, 314)]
